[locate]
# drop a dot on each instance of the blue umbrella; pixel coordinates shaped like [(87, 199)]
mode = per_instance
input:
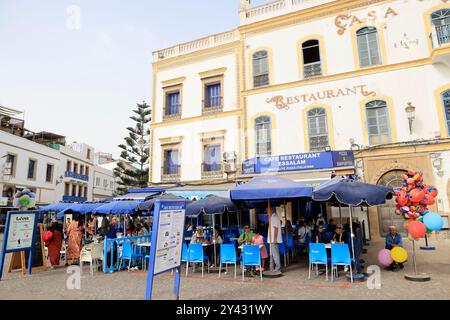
[(56, 207), (352, 193), (149, 205), (270, 187), (212, 204), (118, 207), (82, 208)]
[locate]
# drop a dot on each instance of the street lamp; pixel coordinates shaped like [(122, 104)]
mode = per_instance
[(411, 113)]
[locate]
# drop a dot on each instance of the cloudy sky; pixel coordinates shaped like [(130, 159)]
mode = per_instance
[(81, 78)]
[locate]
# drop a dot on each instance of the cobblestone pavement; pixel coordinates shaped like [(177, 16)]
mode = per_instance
[(294, 284)]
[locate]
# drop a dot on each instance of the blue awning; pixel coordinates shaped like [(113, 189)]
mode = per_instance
[(352, 193), (212, 204), (118, 207), (82, 208), (148, 206), (138, 196), (56, 207), (270, 187)]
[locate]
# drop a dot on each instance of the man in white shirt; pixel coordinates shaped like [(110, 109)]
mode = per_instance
[(275, 238)]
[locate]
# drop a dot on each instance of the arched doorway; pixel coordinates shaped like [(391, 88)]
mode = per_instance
[(386, 213)]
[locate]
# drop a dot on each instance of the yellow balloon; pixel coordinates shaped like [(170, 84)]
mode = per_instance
[(399, 255)]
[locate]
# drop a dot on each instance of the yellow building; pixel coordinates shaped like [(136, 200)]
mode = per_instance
[(303, 78)]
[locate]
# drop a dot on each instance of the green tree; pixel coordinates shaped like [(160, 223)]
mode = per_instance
[(135, 152)]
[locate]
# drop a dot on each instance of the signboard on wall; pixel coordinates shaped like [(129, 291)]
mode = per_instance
[(299, 162)]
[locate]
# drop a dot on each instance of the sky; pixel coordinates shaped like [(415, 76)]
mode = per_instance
[(78, 67)]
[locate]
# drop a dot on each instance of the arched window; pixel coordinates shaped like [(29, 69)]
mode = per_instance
[(312, 64), (263, 136), (446, 103), (317, 129), (368, 46), (441, 22), (260, 62), (378, 124)]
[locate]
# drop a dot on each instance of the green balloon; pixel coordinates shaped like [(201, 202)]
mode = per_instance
[(429, 231), (24, 200)]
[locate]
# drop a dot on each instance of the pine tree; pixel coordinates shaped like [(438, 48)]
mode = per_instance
[(135, 152)]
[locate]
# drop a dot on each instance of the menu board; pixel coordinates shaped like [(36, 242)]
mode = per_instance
[(169, 242), (20, 232)]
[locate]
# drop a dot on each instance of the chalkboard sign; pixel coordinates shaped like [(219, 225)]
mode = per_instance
[(38, 257)]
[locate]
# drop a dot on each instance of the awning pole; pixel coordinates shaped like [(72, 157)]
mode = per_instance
[(351, 234), (340, 213), (269, 214)]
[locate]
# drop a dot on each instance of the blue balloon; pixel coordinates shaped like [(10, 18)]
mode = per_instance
[(32, 195), (433, 221), (25, 191)]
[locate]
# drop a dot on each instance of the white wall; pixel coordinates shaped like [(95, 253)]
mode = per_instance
[(24, 150)]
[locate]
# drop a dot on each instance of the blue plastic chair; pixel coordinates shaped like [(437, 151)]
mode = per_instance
[(196, 255), (251, 257), (340, 256), (228, 256), (283, 252), (318, 256), (128, 254)]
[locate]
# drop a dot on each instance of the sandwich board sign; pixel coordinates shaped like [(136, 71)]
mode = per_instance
[(167, 242), (19, 236)]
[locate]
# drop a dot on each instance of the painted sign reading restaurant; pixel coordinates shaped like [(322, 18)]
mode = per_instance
[(298, 162), (282, 102)]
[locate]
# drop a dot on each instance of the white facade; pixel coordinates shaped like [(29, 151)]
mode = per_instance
[(103, 183), (319, 75), (59, 173)]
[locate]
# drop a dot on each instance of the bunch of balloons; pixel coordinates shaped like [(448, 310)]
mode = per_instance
[(24, 199), (414, 197)]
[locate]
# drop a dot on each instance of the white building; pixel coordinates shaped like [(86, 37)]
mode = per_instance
[(299, 79), (43, 163)]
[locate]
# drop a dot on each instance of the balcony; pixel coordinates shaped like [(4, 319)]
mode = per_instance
[(196, 45), (440, 43), (212, 171), (312, 70), (170, 173), (276, 8), (212, 105), (75, 175), (172, 116)]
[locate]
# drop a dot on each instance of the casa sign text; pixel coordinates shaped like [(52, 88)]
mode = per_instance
[(283, 102)]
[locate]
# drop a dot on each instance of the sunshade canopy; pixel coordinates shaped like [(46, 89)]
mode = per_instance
[(118, 207), (270, 187), (149, 205), (212, 204), (82, 208), (352, 193), (56, 207)]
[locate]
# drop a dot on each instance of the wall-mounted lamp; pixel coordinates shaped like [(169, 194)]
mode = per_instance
[(327, 149), (60, 180), (411, 114)]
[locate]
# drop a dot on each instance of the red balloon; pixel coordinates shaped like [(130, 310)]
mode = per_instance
[(417, 229), (402, 201), (416, 194)]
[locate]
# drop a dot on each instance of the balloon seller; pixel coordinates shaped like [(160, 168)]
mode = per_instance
[(394, 240)]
